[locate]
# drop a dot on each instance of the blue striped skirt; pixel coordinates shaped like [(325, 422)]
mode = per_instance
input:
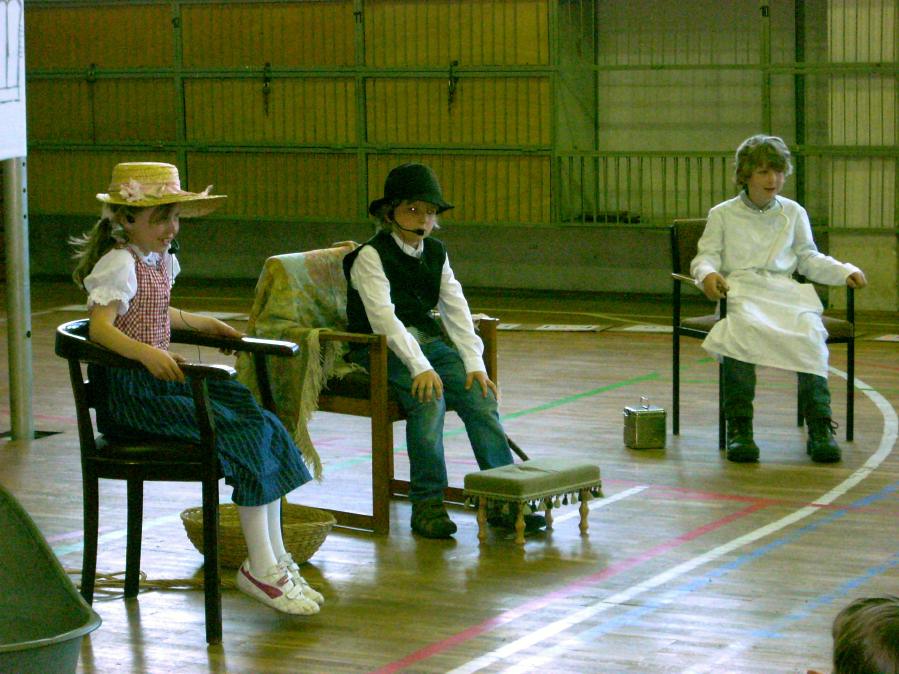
[(258, 457)]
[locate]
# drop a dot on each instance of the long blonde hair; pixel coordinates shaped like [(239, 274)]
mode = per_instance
[(106, 234)]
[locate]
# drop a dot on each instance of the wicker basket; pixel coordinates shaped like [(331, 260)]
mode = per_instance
[(304, 530)]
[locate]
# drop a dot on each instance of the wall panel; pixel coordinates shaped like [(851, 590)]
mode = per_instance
[(489, 189), (116, 36), (402, 33), (102, 111), (295, 111), (280, 185), (508, 111), (59, 110), (228, 34), (64, 182)]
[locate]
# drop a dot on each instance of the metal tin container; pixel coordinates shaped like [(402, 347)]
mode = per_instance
[(644, 426)]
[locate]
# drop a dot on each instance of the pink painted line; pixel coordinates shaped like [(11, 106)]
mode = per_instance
[(568, 590), (706, 495)]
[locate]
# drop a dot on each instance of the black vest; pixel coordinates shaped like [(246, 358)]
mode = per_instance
[(414, 284)]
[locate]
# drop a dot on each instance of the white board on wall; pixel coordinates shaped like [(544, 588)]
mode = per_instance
[(12, 79)]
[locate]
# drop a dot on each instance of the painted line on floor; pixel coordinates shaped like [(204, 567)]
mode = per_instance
[(634, 615), (775, 630), (596, 504), (888, 439), (573, 588), (652, 376)]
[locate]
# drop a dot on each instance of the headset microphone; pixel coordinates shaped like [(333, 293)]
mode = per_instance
[(419, 231)]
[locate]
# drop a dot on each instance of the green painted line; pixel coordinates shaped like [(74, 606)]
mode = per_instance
[(579, 396), (652, 376)]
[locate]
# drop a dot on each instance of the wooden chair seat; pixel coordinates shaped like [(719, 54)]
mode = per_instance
[(703, 323), (838, 329), (352, 385)]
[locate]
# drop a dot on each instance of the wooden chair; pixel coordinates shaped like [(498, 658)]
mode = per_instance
[(357, 394), (137, 460), (684, 237)]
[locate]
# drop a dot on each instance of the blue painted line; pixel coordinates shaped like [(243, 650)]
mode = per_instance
[(842, 591), (634, 615)]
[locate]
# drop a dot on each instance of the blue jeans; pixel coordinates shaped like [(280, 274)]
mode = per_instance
[(424, 424)]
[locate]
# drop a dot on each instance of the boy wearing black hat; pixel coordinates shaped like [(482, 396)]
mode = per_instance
[(394, 281)]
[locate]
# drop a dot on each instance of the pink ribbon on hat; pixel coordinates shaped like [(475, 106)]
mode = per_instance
[(134, 191)]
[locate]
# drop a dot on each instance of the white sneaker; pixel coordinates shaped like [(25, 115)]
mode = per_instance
[(286, 562), (275, 589)]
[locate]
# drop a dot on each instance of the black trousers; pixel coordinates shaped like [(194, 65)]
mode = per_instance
[(739, 391)]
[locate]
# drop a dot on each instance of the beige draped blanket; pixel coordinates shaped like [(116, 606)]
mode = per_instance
[(297, 296)]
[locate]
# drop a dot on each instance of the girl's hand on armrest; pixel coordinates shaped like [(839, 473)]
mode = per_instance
[(162, 364)]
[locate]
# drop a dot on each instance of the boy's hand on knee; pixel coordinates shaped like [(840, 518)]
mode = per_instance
[(427, 386), (856, 280), (714, 286), (483, 380)]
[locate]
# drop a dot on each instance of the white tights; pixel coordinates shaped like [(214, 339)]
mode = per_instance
[(261, 527)]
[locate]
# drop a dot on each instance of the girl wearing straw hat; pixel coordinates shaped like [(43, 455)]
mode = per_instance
[(127, 267), (394, 281)]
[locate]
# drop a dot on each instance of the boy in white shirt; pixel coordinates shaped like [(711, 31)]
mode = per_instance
[(748, 252), (394, 281)]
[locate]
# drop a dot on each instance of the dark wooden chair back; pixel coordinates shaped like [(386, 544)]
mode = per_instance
[(685, 235)]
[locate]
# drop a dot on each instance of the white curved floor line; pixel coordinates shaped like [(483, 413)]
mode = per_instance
[(887, 441)]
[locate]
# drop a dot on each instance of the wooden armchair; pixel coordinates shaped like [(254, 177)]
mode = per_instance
[(314, 287), (685, 235), (137, 460)]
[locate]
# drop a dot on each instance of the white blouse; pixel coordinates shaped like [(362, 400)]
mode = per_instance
[(113, 278)]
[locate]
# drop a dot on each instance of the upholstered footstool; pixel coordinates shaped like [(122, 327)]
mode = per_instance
[(538, 484)]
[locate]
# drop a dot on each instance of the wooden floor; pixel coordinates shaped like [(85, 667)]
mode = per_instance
[(692, 564)]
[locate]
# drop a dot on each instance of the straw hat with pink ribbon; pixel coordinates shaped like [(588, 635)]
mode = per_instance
[(148, 184)]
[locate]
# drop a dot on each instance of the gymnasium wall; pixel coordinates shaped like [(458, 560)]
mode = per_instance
[(568, 133)]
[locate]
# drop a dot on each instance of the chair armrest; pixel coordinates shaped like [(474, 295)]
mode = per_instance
[(270, 347), (72, 343), (208, 371), (350, 337)]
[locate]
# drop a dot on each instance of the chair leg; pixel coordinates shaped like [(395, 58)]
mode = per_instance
[(850, 389), (211, 571), (135, 531), (675, 383), (722, 423), (91, 533), (381, 471)]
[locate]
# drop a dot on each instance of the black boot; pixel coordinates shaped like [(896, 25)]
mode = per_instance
[(821, 444), (430, 519), (741, 448)]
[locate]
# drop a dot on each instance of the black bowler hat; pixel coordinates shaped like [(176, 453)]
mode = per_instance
[(411, 182)]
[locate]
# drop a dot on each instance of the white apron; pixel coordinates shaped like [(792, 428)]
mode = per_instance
[(772, 320)]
